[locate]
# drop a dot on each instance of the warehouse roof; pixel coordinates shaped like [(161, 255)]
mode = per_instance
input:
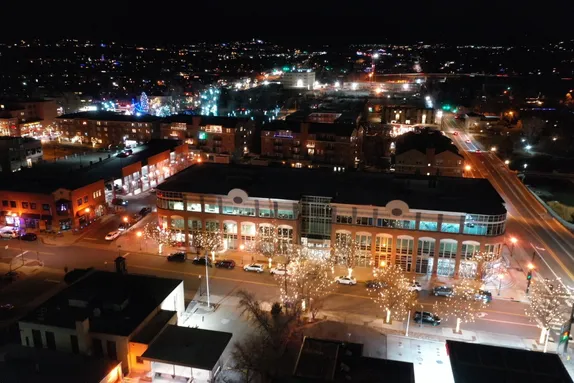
[(450, 194)]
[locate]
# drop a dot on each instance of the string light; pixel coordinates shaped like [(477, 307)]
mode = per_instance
[(207, 240), (464, 303), (348, 252), (391, 292), (159, 235)]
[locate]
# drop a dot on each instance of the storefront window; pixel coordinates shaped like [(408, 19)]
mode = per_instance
[(450, 227), (266, 213), (175, 205), (428, 226), (192, 206), (211, 208)]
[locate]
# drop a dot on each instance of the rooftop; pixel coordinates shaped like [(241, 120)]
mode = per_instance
[(332, 361), (189, 347), (449, 194), (423, 140), (147, 334), (226, 122), (338, 129), (32, 365), (47, 177), (478, 363), (114, 303), (109, 116)]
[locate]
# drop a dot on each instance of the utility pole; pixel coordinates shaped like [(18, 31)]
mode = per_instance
[(207, 278)]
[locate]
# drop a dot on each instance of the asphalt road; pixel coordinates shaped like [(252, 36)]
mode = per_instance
[(545, 242)]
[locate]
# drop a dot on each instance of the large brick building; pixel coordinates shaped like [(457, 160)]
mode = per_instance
[(26, 118), (425, 225)]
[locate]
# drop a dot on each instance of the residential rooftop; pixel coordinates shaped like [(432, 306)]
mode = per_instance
[(337, 129), (189, 347), (114, 303), (226, 122), (33, 365), (448, 194), (479, 363), (425, 139)]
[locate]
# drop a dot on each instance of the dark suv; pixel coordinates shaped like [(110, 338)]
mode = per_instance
[(426, 317), (225, 264), (177, 257), (201, 261)]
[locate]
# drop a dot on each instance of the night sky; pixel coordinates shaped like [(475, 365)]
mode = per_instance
[(472, 21)]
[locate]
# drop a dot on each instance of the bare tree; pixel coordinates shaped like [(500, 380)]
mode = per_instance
[(260, 356), (463, 304), (532, 127), (547, 306), (391, 292)]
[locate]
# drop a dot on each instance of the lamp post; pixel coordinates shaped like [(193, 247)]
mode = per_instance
[(139, 234), (513, 241), (529, 276), (207, 278), (500, 277)]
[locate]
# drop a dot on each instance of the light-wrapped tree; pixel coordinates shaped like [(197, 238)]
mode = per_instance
[(163, 237), (547, 306), (390, 290), (206, 241), (348, 252), (464, 303)]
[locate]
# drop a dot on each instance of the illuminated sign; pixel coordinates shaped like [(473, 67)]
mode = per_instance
[(202, 136)]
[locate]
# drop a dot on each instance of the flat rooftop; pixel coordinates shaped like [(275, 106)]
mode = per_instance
[(477, 363), (114, 303), (47, 177), (448, 194), (109, 116), (333, 361), (189, 347), (32, 365)]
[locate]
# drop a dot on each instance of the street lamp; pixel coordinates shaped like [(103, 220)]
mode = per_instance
[(125, 219), (529, 276), (500, 277), (513, 240), (139, 235), (507, 162), (525, 166), (467, 168), (493, 149)]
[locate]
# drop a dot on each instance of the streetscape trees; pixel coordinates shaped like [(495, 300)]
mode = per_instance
[(463, 305), (391, 292), (260, 356), (348, 252), (488, 265), (162, 237), (547, 306), (206, 240), (306, 283)]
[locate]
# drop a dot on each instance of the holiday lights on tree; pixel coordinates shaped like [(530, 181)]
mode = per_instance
[(488, 264), (206, 240), (464, 303), (347, 251), (306, 283), (144, 103), (162, 237), (270, 243), (548, 305), (391, 292)]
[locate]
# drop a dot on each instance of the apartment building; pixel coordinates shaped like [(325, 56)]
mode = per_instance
[(107, 128), (19, 152), (427, 152), (300, 79), (407, 114), (210, 134), (107, 315), (426, 225), (305, 144)]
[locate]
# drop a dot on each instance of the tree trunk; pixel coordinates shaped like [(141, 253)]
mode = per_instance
[(458, 321)]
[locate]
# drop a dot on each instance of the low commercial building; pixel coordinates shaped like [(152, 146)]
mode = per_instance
[(106, 315), (210, 134), (107, 128), (427, 152), (426, 225), (19, 152), (300, 79), (187, 354), (27, 118), (305, 144)]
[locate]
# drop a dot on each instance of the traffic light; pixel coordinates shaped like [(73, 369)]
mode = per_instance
[(529, 275), (446, 107), (565, 336)]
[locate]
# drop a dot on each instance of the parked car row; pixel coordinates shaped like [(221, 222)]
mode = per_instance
[(13, 234), (447, 291)]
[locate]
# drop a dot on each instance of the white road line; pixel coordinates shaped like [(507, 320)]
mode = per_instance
[(126, 255), (90, 238)]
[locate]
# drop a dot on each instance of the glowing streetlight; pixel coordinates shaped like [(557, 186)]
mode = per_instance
[(139, 234), (87, 210), (528, 147), (382, 263), (242, 247), (513, 241), (467, 168), (376, 56), (493, 149), (525, 166), (506, 162), (125, 219)]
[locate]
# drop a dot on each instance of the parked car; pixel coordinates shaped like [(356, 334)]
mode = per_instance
[(200, 261), (483, 295), (29, 237), (415, 286), (113, 235), (145, 211), (119, 202), (124, 226), (129, 152), (122, 155), (426, 317), (374, 284), (8, 234), (180, 256), (443, 291), (225, 264), (256, 267), (344, 280), (278, 271)]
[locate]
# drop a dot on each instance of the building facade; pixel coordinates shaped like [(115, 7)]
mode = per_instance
[(219, 135), (303, 143), (298, 80), (27, 118), (409, 115), (430, 163), (19, 152), (107, 128), (425, 226)]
